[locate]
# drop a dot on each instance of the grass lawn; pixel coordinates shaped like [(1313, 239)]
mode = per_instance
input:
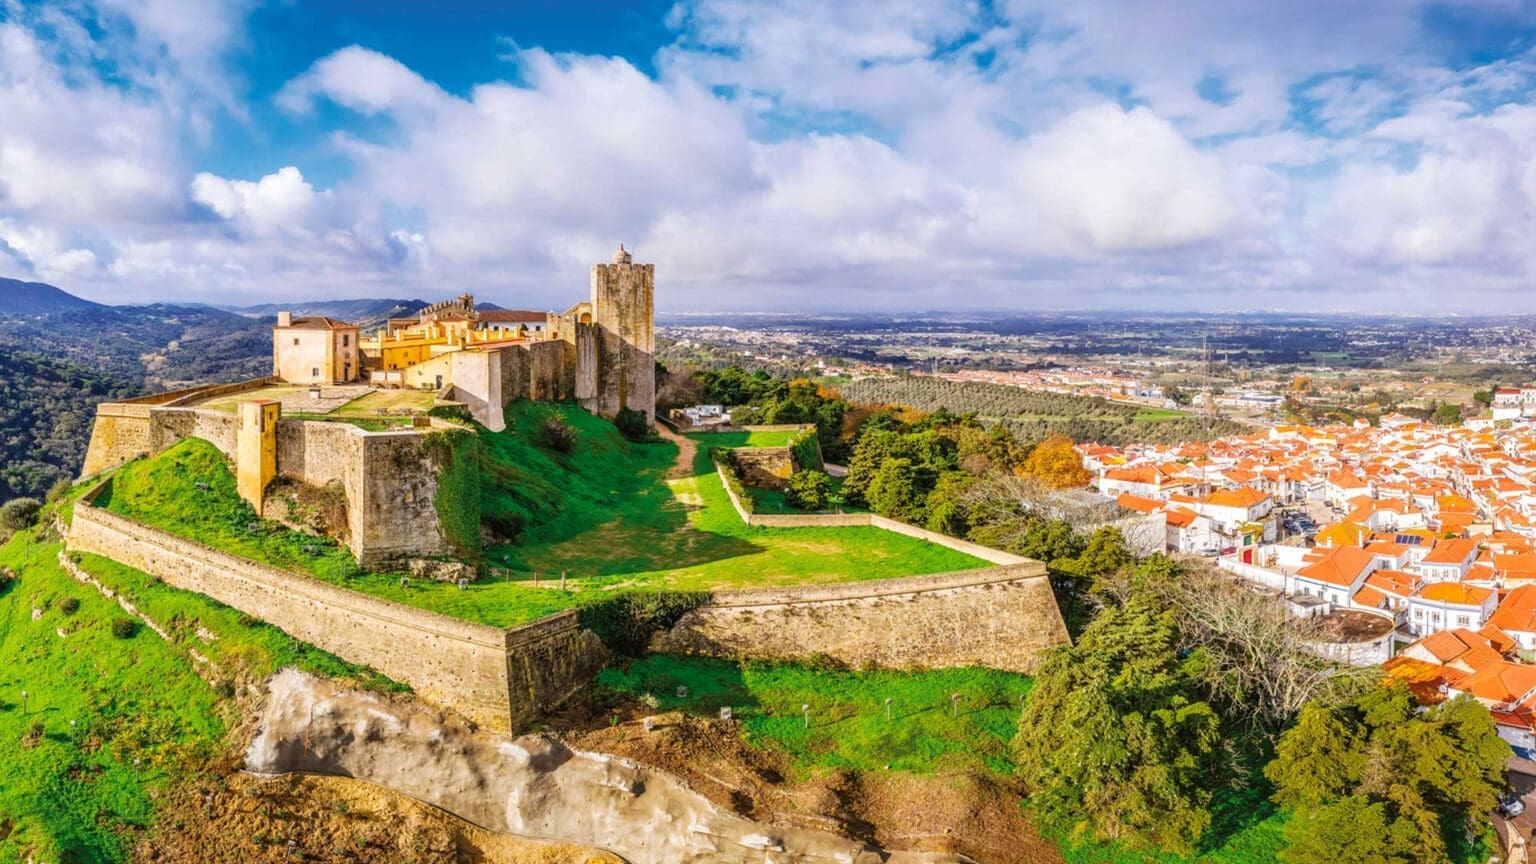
[(848, 725), (605, 513), (682, 533), (231, 403), (388, 400), (743, 439), (72, 793)]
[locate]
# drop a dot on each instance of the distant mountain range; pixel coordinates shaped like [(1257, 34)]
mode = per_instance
[(369, 313), (35, 298)]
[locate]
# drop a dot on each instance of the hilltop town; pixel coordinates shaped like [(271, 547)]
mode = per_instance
[(1425, 533)]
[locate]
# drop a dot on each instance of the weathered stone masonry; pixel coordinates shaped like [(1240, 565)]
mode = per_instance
[(500, 678), (1001, 617)]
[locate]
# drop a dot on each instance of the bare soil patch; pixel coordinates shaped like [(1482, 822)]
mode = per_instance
[(331, 819), (954, 812)]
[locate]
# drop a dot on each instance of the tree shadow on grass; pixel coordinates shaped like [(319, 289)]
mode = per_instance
[(649, 531)]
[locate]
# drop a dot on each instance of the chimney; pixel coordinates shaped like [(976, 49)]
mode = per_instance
[(285, 319)]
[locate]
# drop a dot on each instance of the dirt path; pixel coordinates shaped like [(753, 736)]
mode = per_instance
[(686, 448)]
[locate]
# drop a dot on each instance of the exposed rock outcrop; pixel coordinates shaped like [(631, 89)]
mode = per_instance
[(532, 785)]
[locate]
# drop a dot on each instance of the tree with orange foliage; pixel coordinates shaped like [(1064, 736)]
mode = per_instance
[(1055, 463)]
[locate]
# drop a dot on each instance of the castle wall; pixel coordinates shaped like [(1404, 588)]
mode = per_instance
[(391, 499), (121, 433), (764, 467), (1001, 617), (477, 377), (452, 662), (549, 380), (585, 343), (256, 450), (515, 374), (316, 453), (169, 425), (548, 660), (125, 430)]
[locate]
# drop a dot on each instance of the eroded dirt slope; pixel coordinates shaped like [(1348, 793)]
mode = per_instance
[(531, 786)]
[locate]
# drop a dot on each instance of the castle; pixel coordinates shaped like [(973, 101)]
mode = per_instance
[(599, 353)]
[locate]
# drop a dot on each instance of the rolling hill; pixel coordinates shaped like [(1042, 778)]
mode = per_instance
[(35, 298)]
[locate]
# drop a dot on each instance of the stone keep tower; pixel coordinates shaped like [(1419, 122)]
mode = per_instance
[(623, 315)]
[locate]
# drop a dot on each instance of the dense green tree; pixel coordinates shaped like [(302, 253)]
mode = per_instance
[(808, 490), (1432, 774), (1447, 414), (947, 512), (1105, 553), (1115, 743), (1351, 830), (1052, 541), (875, 446), (894, 491)]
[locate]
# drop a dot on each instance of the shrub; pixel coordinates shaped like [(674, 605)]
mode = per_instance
[(124, 628), (20, 513), (555, 434), (59, 489), (626, 621), (69, 605), (808, 490), (633, 424)]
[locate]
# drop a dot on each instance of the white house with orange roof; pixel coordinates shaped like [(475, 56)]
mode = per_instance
[(1508, 690), (1439, 606), (1342, 487), (1387, 591), (1516, 615), (1334, 574), (1393, 514), (1145, 481), (1448, 561)]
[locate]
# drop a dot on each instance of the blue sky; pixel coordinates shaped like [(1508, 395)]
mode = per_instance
[(1013, 154)]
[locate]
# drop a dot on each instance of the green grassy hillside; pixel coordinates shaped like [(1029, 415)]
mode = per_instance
[(848, 726), (97, 701)]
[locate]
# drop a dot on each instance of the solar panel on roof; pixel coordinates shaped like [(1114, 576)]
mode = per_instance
[(1409, 539)]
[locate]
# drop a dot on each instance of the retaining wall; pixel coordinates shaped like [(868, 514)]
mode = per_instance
[(764, 467), (500, 678), (1001, 617)]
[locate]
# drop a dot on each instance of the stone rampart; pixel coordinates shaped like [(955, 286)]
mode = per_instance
[(169, 425), (764, 467), (214, 391), (1001, 617), (501, 678), (392, 498), (121, 433), (549, 378), (975, 550)]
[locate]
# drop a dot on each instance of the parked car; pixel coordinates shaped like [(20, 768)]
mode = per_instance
[(1511, 805)]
